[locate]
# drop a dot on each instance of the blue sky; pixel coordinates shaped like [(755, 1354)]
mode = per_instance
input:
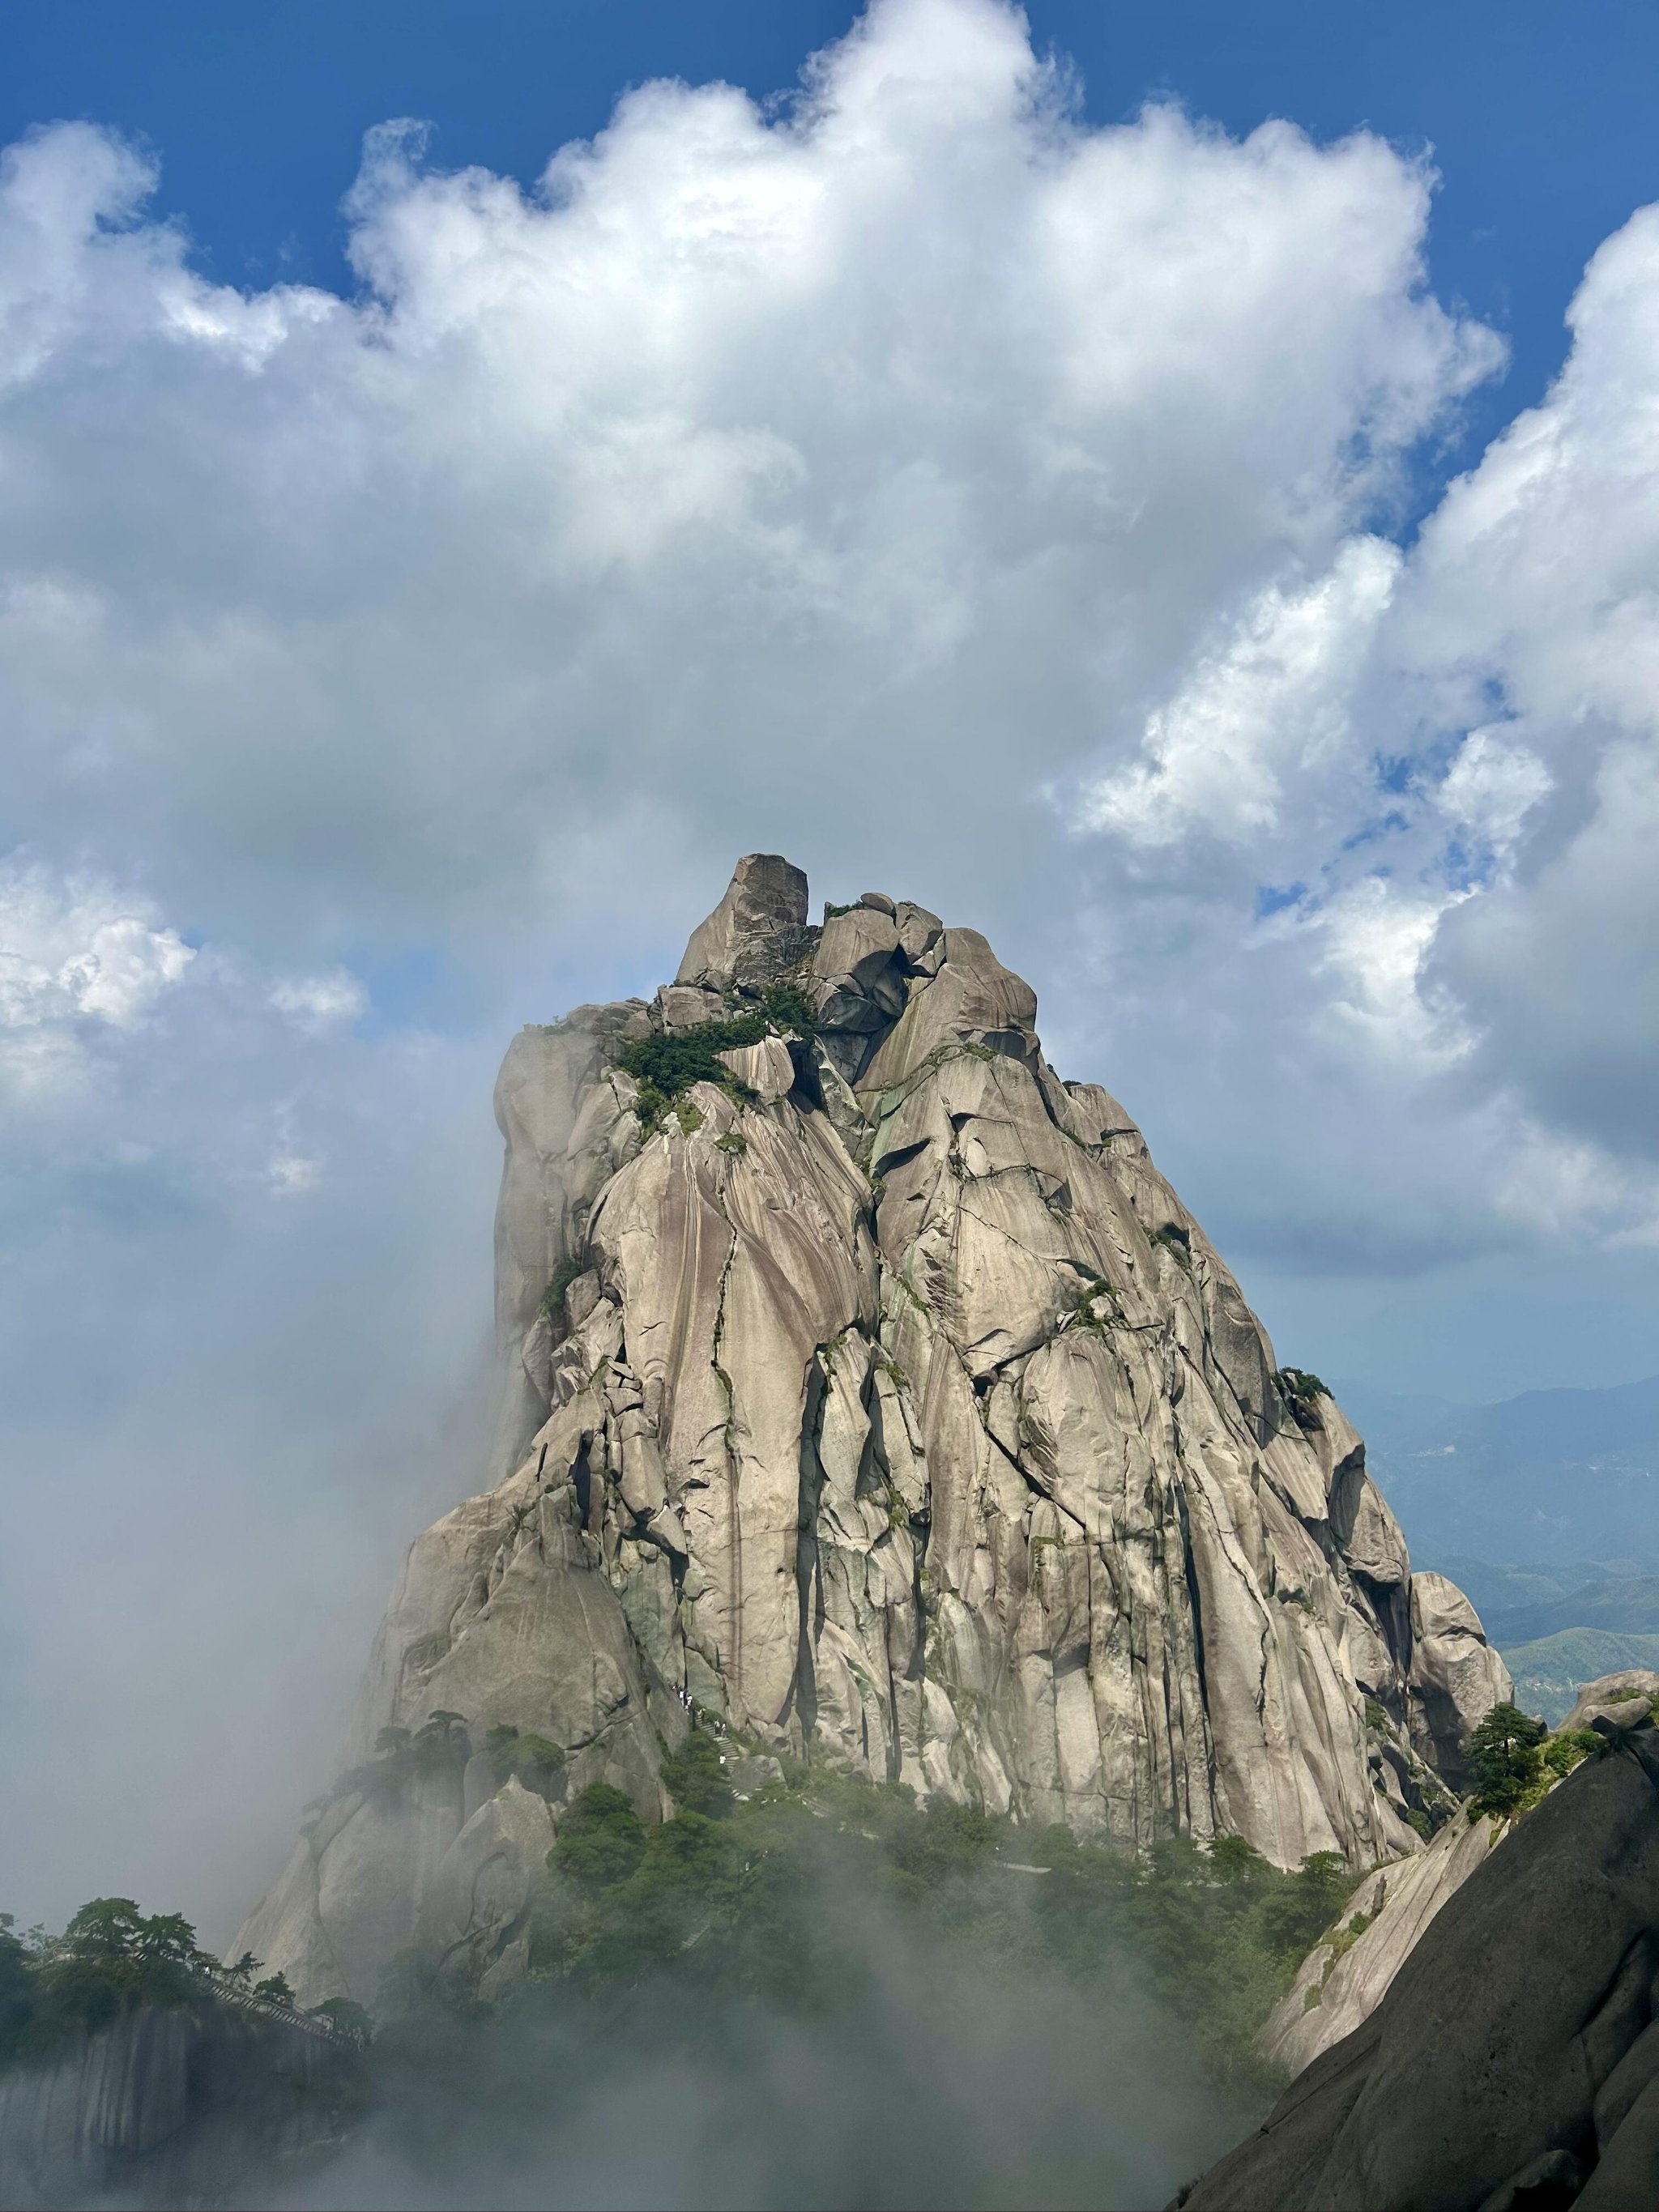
[(1181, 544), (1539, 113)]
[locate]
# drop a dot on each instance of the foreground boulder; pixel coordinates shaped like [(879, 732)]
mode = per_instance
[(1346, 1976), (872, 1398), (1515, 2059)]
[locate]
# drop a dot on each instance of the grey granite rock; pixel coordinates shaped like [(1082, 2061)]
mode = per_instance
[(475, 1906), (1455, 1677), (1514, 2054), (174, 2106), (898, 1416), (758, 928), (1336, 1989), (1621, 1696)]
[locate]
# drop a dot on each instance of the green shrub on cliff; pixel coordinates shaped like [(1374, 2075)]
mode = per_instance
[(695, 1777), (601, 1838), (1569, 1748), (1504, 1760), (536, 1761), (673, 1059), (17, 1988), (669, 1061), (109, 1959)]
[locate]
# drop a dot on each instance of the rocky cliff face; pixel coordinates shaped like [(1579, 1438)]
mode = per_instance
[(174, 2106), (1514, 2061), (876, 1400), (1347, 1975)]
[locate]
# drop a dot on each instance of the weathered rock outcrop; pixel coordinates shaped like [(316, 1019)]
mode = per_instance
[(880, 1402), (1515, 2061), (1347, 1975), (1621, 1699), (1456, 1678), (174, 2106), (1341, 1982)]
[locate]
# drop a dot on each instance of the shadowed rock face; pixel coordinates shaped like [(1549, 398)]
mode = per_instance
[(1515, 2059), (174, 2107), (896, 1412), (1343, 1980), (1341, 1983)]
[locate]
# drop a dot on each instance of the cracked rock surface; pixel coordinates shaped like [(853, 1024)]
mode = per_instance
[(880, 1402)]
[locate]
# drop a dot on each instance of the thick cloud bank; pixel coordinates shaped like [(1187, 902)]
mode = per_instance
[(918, 433), (851, 476), (1441, 767), (965, 499)]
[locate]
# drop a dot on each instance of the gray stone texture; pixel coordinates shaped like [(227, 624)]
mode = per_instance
[(174, 2106), (899, 1417), (1513, 2061)]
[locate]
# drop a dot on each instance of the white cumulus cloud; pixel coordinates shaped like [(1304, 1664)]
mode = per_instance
[(74, 951), (749, 462), (319, 1002), (849, 475), (1272, 703)]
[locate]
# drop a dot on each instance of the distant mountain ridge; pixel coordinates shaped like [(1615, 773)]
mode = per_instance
[(1535, 1480), (1550, 1674), (1545, 1508), (1621, 1602)]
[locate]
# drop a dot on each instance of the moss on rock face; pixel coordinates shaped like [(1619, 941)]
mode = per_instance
[(667, 1063), (552, 1298)]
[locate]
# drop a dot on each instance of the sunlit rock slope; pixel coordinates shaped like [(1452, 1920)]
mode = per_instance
[(875, 1402)]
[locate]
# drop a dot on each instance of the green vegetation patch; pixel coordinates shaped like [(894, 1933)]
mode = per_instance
[(784, 1898), (1097, 1307), (441, 1744), (1564, 1751), (667, 1063), (601, 1841), (1506, 1763), (553, 1297), (55, 1991), (536, 1761), (1175, 1240), (695, 1777), (1301, 1387)]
